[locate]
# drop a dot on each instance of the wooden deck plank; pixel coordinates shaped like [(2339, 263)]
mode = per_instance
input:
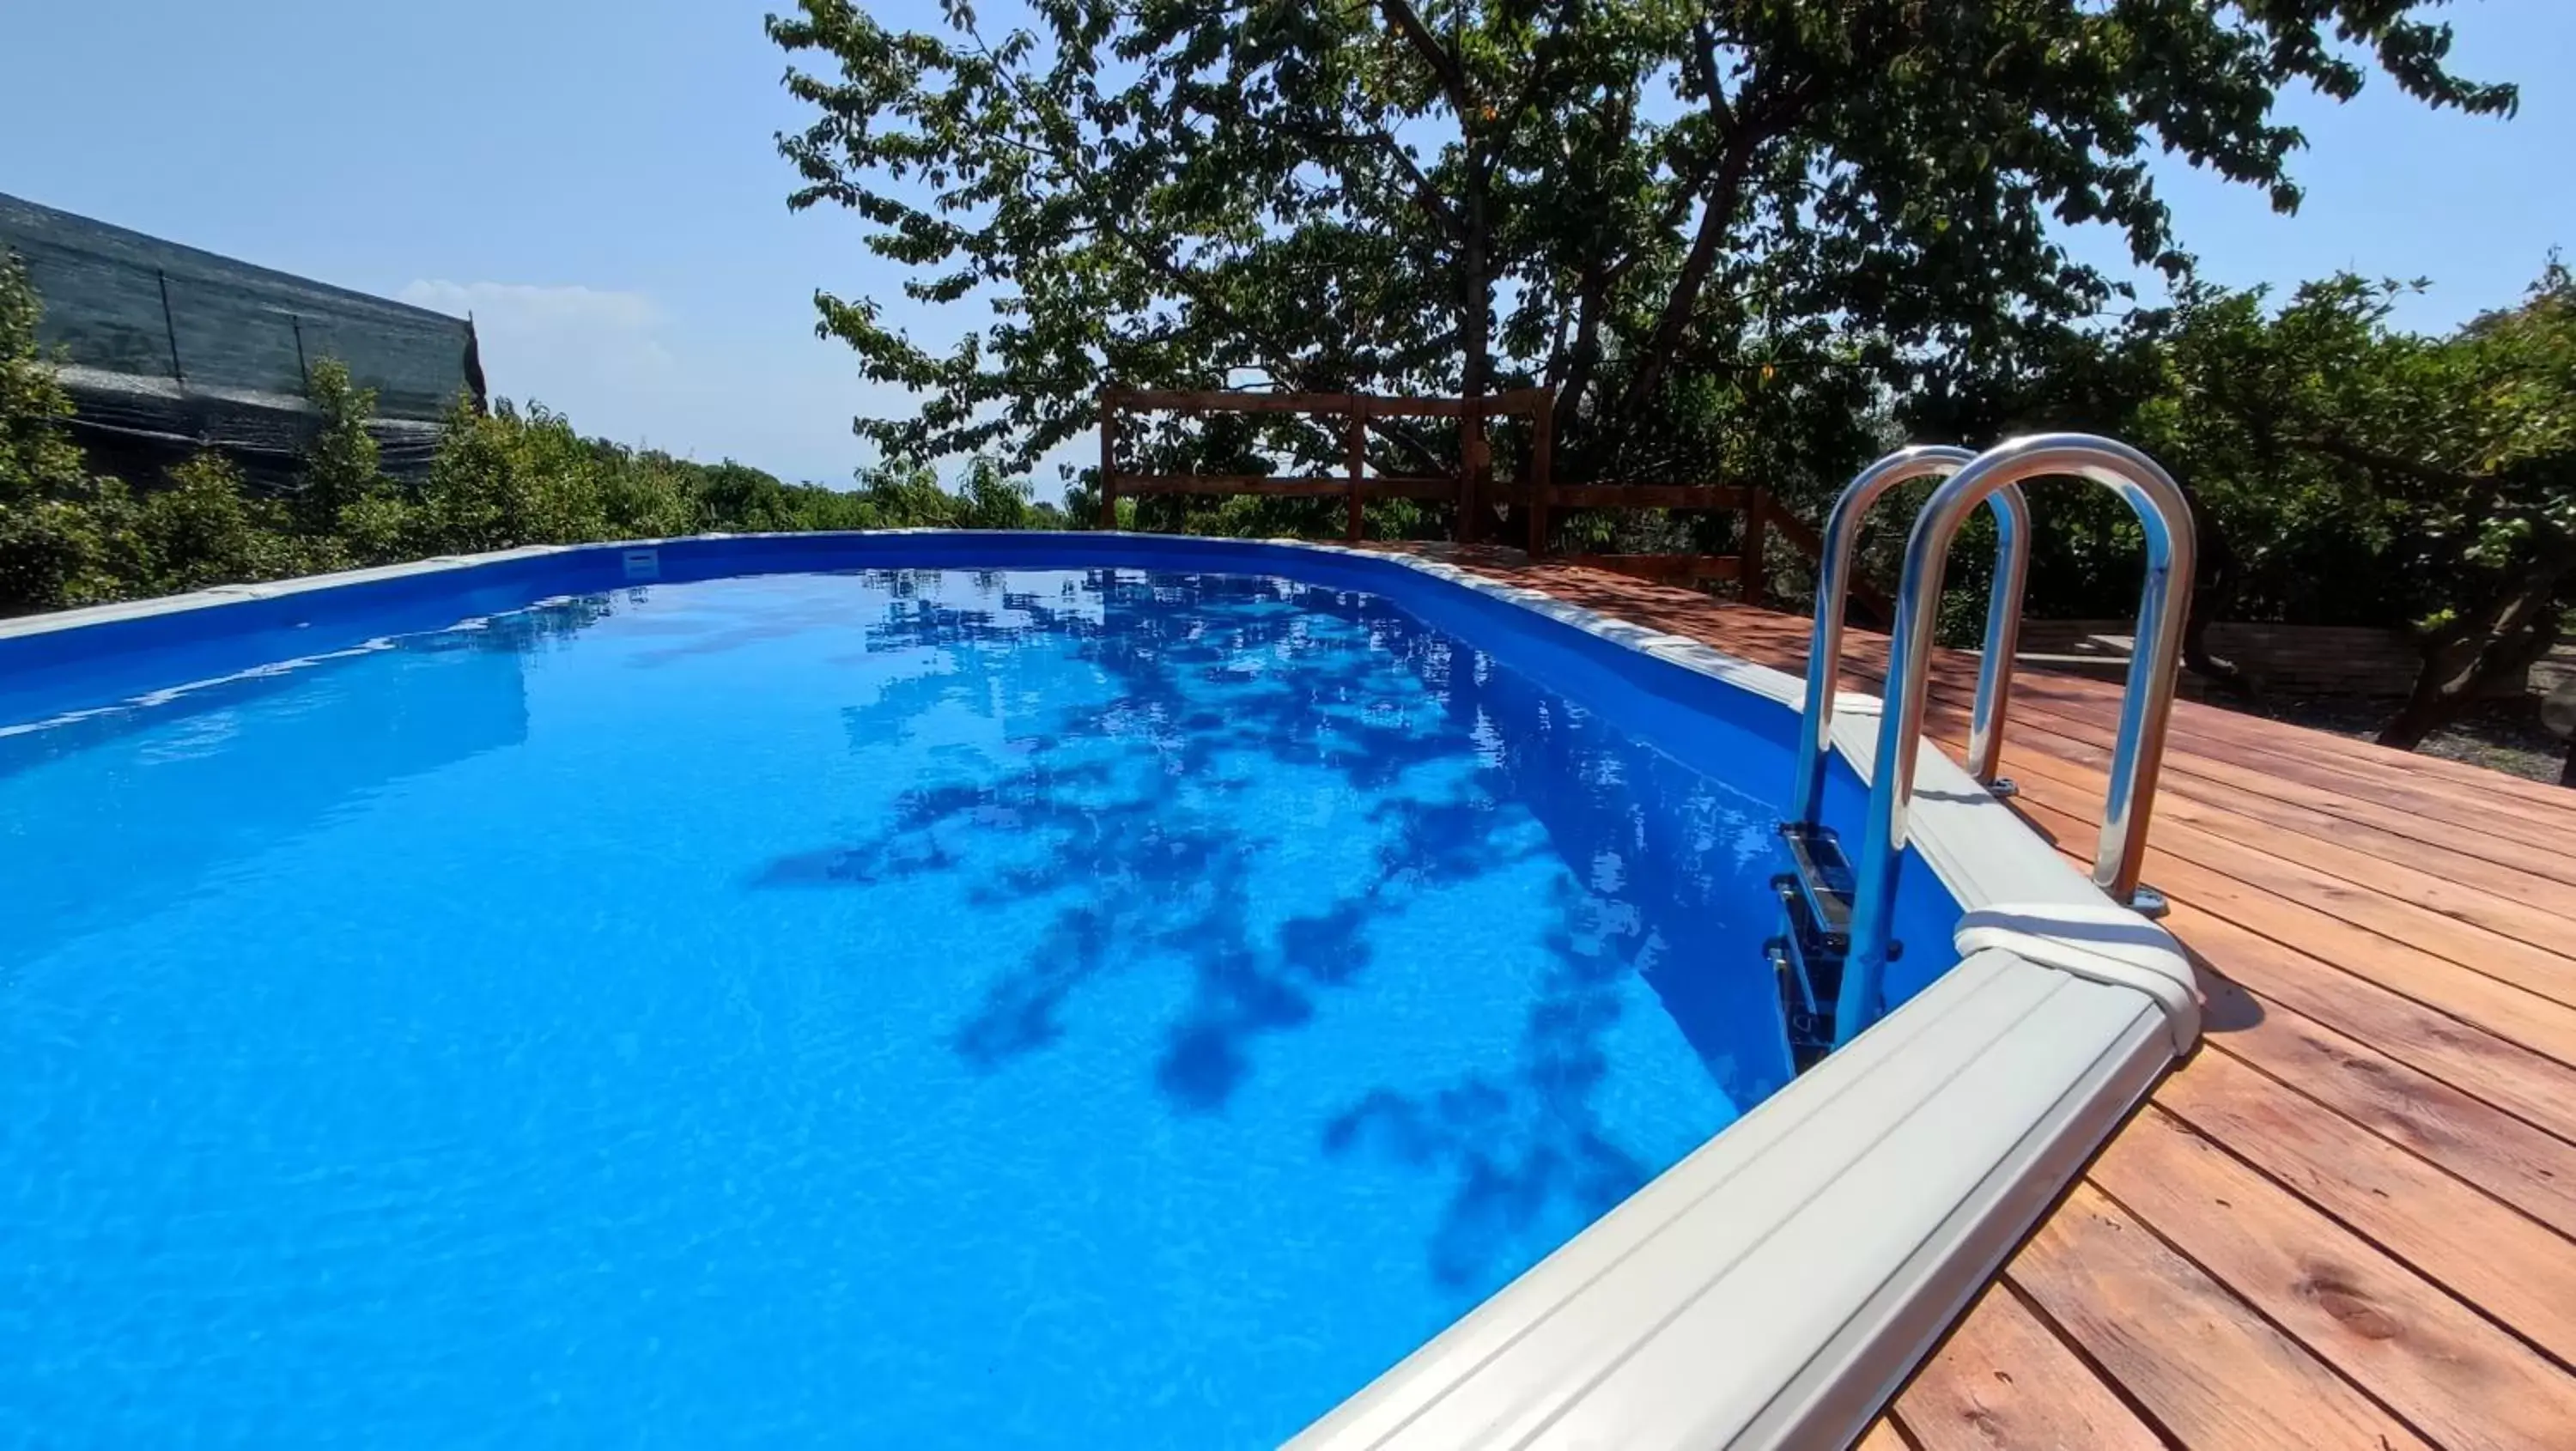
[(2514, 1012), (2444, 877), (2385, 1099), (2516, 1269), (2331, 761), (1882, 1436), (2335, 763), (2340, 763), (2531, 847), (2398, 903), (2450, 1373), (2531, 908), (2508, 1077), (2209, 1369), (2270, 776), (2532, 899), (2004, 1381), (2533, 1171)]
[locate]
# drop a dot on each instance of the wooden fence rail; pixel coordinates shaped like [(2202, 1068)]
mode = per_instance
[(1468, 488), (1472, 489)]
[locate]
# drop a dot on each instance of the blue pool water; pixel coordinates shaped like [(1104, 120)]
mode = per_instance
[(897, 1008)]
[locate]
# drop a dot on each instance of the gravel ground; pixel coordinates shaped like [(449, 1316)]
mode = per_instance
[(2505, 736)]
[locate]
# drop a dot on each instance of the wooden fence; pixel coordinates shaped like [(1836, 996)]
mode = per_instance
[(1470, 488), (1463, 487)]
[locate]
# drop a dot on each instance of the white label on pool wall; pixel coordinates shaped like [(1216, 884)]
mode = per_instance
[(643, 564)]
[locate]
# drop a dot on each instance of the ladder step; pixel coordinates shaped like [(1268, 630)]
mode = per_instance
[(1823, 876)]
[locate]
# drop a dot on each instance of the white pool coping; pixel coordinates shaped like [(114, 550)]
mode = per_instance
[(1777, 1286)]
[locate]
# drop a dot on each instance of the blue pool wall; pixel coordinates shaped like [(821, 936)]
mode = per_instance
[(1714, 727)]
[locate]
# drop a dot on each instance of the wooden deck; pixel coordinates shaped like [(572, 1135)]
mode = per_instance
[(2349, 1219)]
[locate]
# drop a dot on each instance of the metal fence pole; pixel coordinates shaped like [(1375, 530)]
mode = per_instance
[(170, 329)]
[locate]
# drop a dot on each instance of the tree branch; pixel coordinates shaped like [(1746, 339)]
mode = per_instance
[(2337, 447), (2487, 487), (1746, 130), (1545, 60), (1425, 195), (1452, 76), (1724, 195)]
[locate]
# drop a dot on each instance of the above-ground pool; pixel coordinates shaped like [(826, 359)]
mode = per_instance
[(1042, 1004)]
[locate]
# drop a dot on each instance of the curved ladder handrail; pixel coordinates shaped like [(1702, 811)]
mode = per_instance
[(1833, 577), (2145, 704)]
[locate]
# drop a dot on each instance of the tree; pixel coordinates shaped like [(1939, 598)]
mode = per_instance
[(66, 536), (741, 499), (995, 500), (203, 528), (514, 476), (2465, 444), (1719, 229), (649, 495), (2341, 471), (340, 466)]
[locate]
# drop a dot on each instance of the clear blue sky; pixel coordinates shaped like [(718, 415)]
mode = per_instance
[(596, 182)]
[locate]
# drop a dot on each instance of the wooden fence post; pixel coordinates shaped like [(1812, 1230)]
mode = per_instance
[(1542, 470), (1355, 453), (1108, 458), (1751, 580), (1472, 457)]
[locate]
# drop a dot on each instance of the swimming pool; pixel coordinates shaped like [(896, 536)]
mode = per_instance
[(909, 990)]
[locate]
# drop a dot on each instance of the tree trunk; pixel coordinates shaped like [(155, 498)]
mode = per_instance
[(1724, 195), (2511, 630), (1475, 344), (2567, 768), (2212, 596), (1583, 361)]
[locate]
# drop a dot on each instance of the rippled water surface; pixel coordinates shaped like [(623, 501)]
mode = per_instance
[(895, 1009)]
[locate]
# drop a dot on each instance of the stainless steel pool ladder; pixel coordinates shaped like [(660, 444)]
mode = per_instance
[(1816, 894), (2146, 703)]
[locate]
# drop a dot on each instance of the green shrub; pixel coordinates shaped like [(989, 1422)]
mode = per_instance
[(202, 529), (340, 469)]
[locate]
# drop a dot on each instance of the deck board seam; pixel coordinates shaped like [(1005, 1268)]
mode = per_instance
[(2219, 1044), (2273, 1006), (2030, 1303), (2420, 1271), (1954, 698), (2215, 789), (2431, 916), (2361, 839), (2223, 914), (2065, 769), (2257, 1313)]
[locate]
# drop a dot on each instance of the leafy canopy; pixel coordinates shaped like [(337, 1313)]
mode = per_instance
[(2458, 450), (1720, 228)]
